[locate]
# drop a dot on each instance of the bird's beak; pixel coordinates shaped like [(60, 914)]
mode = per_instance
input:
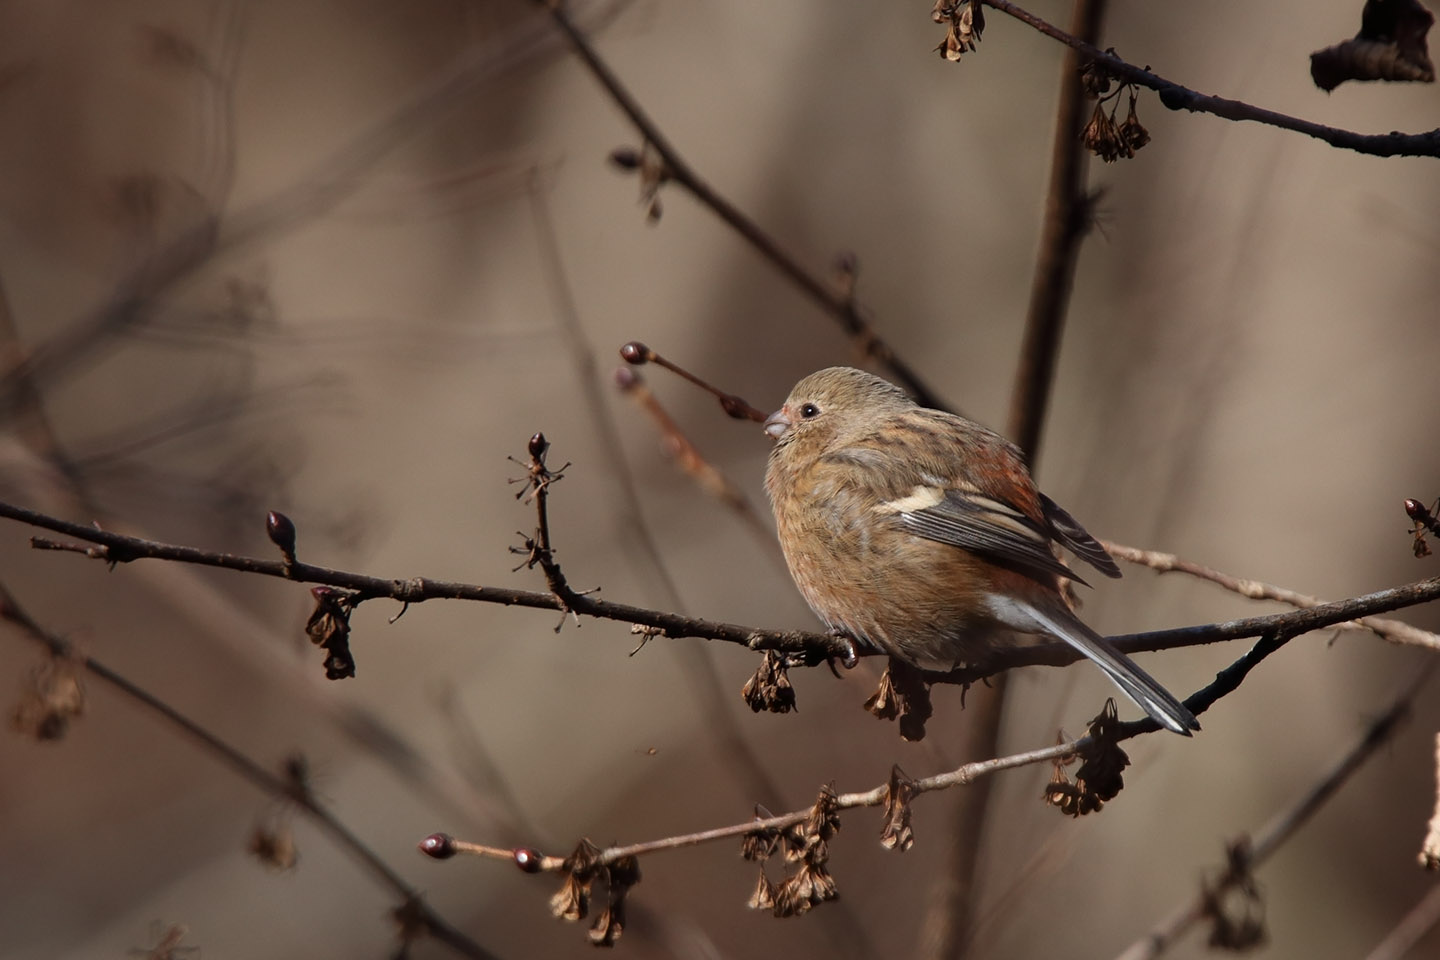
[(777, 423)]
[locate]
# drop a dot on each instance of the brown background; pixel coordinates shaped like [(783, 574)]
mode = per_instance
[(1248, 379)]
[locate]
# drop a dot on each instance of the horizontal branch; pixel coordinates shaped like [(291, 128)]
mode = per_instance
[(960, 776), (1177, 97), (812, 647), (1393, 630)]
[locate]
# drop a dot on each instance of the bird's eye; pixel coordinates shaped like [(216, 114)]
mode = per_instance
[(809, 411)]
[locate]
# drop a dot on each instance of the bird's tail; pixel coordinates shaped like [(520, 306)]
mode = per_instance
[(1138, 685)]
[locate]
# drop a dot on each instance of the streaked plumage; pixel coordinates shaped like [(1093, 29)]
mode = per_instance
[(921, 533)]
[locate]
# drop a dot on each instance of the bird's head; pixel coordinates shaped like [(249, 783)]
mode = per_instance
[(832, 405)]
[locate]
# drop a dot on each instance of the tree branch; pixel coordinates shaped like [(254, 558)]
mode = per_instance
[(1249, 852), (813, 647), (839, 304), (1176, 97)]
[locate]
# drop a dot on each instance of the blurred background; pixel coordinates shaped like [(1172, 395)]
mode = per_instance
[(422, 258)]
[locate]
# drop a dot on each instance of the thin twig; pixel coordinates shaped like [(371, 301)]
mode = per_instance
[(837, 303), (961, 776), (1422, 918), (270, 783), (1393, 630), (1248, 853), (1177, 97), (817, 647)]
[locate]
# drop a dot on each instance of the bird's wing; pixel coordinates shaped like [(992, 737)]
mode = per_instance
[(1069, 532), (996, 512)]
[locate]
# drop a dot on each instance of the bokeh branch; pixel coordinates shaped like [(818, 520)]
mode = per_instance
[(1249, 852), (418, 918), (839, 303), (1176, 97)]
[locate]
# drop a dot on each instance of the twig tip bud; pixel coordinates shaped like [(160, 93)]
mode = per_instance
[(635, 352), (441, 846), (281, 530)]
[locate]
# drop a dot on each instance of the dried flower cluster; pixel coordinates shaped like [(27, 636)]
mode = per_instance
[(769, 688), (1099, 778), (1105, 136), (1234, 904), (273, 844), (572, 902), (902, 694), (329, 629), (806, 844), (53, 697), (897, 834), (964, 20)]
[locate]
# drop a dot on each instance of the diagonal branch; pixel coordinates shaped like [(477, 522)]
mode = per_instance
[(1250, 852), (414, 906), (838, 303)]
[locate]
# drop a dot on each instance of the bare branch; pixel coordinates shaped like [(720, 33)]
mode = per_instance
[(1393, 630), (1177, 97), (1249, 852), (813, 647)]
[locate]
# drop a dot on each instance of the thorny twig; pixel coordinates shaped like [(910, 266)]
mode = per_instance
[(1177, 97), (537, 549), (840, 304), (1248, 852), (275, 785)]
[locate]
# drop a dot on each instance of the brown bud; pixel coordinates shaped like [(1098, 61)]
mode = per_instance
[(635, 352), (282, 532), (441, 846), (1416, 510), (625, 158), (538, 445), (528, 860)]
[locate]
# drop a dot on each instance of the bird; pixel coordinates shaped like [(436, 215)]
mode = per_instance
[(921, 534)]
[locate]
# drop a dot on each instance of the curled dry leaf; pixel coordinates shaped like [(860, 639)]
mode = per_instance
[(1391, 45)]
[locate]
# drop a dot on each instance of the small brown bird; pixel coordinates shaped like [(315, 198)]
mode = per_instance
[(921, 534)]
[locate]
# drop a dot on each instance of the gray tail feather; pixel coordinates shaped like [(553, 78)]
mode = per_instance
[(1126, 674)]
